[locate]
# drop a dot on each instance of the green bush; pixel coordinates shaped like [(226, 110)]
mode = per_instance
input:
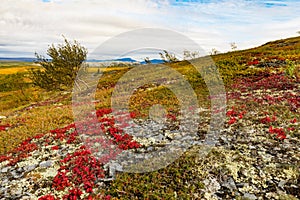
[(59, 72)]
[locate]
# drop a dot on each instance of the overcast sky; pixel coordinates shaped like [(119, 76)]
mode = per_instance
[(29, 26)]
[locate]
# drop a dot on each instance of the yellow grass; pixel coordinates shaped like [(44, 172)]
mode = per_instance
[(108, 69), (13, 70), (32, 122), (25, 68)]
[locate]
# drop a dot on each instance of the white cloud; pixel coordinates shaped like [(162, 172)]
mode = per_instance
[(31, 25)]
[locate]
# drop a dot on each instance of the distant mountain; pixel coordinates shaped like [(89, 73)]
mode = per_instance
[(22, 59), (126, 60), (130, 60), (18, 59), (154, 61), (113, 60)]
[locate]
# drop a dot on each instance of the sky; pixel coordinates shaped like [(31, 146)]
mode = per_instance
[(29, 26)]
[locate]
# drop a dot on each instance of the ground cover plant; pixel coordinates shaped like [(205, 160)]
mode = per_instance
[(257, 155)]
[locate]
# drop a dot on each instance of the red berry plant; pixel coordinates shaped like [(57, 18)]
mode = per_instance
[(80, 172), (266, 92)]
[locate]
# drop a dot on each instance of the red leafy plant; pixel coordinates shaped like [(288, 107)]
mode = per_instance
[(280, 134), (234, 115), (268, 119), (80, 170), (254, 62), (265, 80), (19, 153), (48, 197), (4, 127)]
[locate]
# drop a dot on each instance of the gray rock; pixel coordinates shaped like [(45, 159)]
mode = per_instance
[(113, 167), (230, 184), (150, 148), (29, 168), (212, 185), (26, 198), (16, 175), (4, 181), (5, 169), (250, 196), (281, 184), (160, 137), (46, 164), (107, 179), (3, 190), (20, 169)]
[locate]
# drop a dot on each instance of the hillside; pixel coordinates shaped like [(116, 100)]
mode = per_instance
[(256, 155)]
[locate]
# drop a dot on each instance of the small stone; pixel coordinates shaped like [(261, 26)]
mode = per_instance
[(281, 184), (212, 185), (113, 167), (252, 147), (20, 170), (160, 137), (29, 168), (46, 164), (107, 179), (5, 169), (16, 175), (50, 172), (250, 196), (4, 181), (150, 148), (26, 198), (230, 184)]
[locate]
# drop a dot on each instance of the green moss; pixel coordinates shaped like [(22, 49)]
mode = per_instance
[(180, 180)]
